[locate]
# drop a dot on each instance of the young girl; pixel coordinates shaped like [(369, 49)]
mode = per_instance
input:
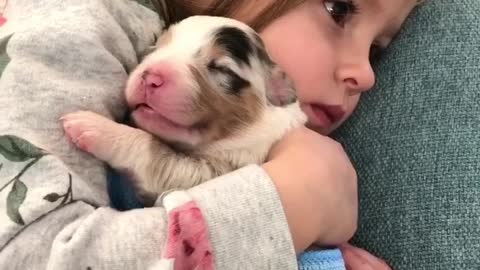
[(68, 54)]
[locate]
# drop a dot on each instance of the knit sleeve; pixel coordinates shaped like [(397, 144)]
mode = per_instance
[(65, 55)]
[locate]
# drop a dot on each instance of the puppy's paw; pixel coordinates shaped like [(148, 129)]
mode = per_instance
[(90, 132)]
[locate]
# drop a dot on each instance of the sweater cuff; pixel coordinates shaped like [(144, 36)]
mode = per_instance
[(246, 222)]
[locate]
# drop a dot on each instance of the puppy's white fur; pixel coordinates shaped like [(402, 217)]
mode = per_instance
[(155, 166)]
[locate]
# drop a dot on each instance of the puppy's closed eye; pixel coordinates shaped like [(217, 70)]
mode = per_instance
[(228, 78)]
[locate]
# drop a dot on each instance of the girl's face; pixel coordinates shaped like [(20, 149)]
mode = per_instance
[(325, 47)]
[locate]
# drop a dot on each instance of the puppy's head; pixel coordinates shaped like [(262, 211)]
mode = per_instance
[(206, 79)]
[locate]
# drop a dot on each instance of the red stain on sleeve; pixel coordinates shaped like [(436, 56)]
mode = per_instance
[(188, 242)]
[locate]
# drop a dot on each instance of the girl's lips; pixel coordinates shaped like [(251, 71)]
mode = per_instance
[(323, 116)]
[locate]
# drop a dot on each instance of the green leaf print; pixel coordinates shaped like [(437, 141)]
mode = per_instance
[(14, 200), (52, 197), (16, 149), (4, 59)]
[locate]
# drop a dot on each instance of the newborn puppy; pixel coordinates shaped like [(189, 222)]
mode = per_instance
[(207, 100)]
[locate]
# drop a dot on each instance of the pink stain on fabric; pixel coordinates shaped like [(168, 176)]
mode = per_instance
[(188, 244), (3, 20)]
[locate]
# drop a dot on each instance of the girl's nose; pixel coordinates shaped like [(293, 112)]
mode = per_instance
[(356, 75)]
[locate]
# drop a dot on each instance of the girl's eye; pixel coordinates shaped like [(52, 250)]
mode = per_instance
[(340, 10)]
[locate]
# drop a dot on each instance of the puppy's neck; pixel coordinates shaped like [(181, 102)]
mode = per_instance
[(253, 144)]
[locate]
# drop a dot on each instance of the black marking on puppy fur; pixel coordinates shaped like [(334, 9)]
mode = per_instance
[(262, 51), (235, 83), (235, 42)]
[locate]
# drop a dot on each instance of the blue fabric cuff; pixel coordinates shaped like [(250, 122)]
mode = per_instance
[(329, 259)]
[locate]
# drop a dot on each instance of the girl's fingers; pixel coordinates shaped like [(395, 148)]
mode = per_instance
[(359, 259), (355, 262)]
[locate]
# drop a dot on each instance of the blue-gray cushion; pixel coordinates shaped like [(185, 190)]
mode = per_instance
[(415, 140)]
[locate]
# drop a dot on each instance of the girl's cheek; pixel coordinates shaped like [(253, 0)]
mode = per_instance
[(352, 103)]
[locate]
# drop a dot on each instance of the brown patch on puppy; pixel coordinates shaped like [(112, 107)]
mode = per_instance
[(214, 52), (223, 113), (226, 76)]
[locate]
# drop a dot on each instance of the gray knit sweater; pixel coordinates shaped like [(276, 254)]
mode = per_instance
[(65, 55)]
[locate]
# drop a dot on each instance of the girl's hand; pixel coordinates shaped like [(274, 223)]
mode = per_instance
[(317, 185), (359, 259)]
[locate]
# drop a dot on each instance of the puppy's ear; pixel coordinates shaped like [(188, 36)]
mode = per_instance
[(280, 89)]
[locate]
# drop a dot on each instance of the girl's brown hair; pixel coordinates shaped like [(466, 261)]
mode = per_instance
[(175, 10)]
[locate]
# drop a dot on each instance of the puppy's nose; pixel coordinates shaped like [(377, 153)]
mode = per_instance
[(152, 81)]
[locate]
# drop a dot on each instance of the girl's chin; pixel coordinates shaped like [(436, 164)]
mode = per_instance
[(319, 130), (322, 130)]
